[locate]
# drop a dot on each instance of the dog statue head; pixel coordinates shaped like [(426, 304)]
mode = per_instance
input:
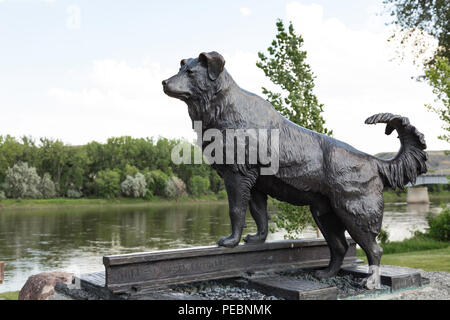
[(197, 77)]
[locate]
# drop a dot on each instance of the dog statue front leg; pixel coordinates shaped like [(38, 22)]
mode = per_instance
[(237, 217), (238, 190)]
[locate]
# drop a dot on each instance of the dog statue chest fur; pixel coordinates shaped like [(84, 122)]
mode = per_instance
[(341, 185)]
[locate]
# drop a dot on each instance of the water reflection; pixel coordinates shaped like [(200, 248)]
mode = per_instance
[(75, 240), (33, 241), (418, 207)]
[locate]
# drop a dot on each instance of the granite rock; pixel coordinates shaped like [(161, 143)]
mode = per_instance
[(42, 286)]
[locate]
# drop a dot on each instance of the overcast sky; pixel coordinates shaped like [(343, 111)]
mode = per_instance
[(88, 70)]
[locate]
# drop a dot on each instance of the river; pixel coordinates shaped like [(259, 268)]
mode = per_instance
[(74, 240)]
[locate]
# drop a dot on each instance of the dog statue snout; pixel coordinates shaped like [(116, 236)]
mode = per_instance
[(164, 83)]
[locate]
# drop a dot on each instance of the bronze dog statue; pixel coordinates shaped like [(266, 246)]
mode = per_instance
[(342, 186)]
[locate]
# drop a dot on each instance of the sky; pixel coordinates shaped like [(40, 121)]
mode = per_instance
[(88, 70)]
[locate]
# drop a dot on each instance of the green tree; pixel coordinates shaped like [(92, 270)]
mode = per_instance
[(74, 169), (53, 157), (129, 171), (438, 76), (285, 65), (108, 183), (11, 152), (47, 187), (430, 17), (199, 185), (156, 181), (440, 224), (75, 172)]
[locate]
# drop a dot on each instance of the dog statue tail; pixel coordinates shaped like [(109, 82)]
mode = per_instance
[(410, 161)]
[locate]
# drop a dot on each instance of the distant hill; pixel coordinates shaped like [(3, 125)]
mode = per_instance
[(438, 161)]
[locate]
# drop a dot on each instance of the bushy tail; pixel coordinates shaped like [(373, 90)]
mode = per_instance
[(410, 161)]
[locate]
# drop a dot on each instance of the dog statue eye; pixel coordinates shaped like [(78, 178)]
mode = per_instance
[(189, 71)]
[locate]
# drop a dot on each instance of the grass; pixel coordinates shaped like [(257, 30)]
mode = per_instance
[(428, 260), (87, 202), (14, 295), (413, 244)]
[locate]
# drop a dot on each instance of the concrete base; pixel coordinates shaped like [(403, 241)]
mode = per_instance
[(418, 195)]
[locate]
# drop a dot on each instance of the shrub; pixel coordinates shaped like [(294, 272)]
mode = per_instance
[(156, 182), (74, 194), (440, 225), (419, 242), (22, 181), (148, 195), (107, 183), (293, 219), (222, 194), (175, 188), (129, 171), (47, 187), (199, 185), (383, 236), (135, 187)]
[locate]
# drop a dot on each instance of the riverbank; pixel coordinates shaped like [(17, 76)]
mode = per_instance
[(391, 196), (86, 202)]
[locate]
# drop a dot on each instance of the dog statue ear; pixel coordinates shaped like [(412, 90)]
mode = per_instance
[(183, 62), (215, 63)]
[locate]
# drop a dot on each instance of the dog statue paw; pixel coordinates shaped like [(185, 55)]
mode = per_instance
[(373, 282)]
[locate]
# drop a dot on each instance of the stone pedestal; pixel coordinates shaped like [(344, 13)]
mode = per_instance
[(418, 195)]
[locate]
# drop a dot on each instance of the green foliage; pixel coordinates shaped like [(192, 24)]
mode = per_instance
[(2, 195), (293, 219), (156, 181), (22, 181), (199, 185), (134, 187), (216, 182), (222, 194), (47, 187), (438, 76), (74, 169), (74, 194), (286, 67), (129, 171), (383, 236), (431, 17), (107, 183), (419, 242), (439, 226), (148, 195), (13, 151)]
